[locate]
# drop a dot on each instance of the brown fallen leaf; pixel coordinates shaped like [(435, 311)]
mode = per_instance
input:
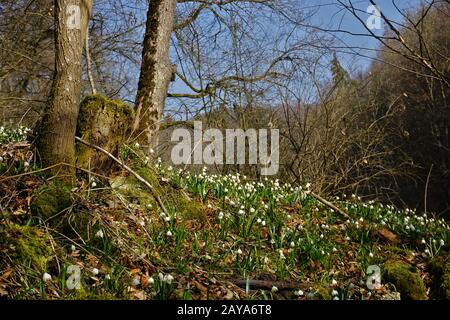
[(387, 235), (200, 287)]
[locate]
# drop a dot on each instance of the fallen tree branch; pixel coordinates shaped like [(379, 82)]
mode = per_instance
[(127, 168), (268, 285), (329, 204)]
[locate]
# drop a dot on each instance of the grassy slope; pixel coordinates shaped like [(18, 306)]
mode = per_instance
[(219, 231)]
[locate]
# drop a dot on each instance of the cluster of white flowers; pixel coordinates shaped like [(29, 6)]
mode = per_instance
[(8, 135), (99, 234), (167, 278)]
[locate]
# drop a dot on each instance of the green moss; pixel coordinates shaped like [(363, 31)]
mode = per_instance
[(105, 123), (29, 246), (137, 192), (323, 293), (50, 200), (405, 280), (83, 294)]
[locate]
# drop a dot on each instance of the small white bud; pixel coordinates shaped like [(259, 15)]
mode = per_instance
[(46, 277)]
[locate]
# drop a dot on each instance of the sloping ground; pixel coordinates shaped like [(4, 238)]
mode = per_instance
[(221, 237)]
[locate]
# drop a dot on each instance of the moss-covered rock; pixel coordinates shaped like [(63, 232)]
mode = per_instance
[(29, 245), (51, 200), (105, 123), (406, 281), (138, 193), (439, 269)]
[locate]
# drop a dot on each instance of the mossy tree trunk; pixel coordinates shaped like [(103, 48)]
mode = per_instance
[(156, 71), (56, 140), (104, 123)]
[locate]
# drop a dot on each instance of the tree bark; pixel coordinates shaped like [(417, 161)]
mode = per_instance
[(88, 63), (156, 71), (56, 140)]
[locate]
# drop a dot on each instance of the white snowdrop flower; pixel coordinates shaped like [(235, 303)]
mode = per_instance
[(423, 241), (289, 216), (427, 251), (259, 220), (361, 219), (95, 271), (252, 210), (371, 255), (170, 168), (168, 278), (239, 251), (26, 164), (263, 223), (152, 151), (46, 277), (72, 248), (299, 293), (150, 280), (322, 252), (169, 233), (209, 206), (137, 145), (241, 212), (93, 184), (266, 206), (336, 298), (333, 282), (348, 238), (292, 244), (221, 215), (160, 276), (135, 282), (321, 236), (334, 293), (335, 250), (442, 243), (108, 277), (1, 159), (274, 289), (99, 234)]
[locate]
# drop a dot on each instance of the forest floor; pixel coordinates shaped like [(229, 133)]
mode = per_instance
[(217, 237)]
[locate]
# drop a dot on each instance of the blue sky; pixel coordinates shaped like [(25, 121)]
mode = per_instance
[(330, 14)]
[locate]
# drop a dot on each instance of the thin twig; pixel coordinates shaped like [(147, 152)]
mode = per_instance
[(426, 188)]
